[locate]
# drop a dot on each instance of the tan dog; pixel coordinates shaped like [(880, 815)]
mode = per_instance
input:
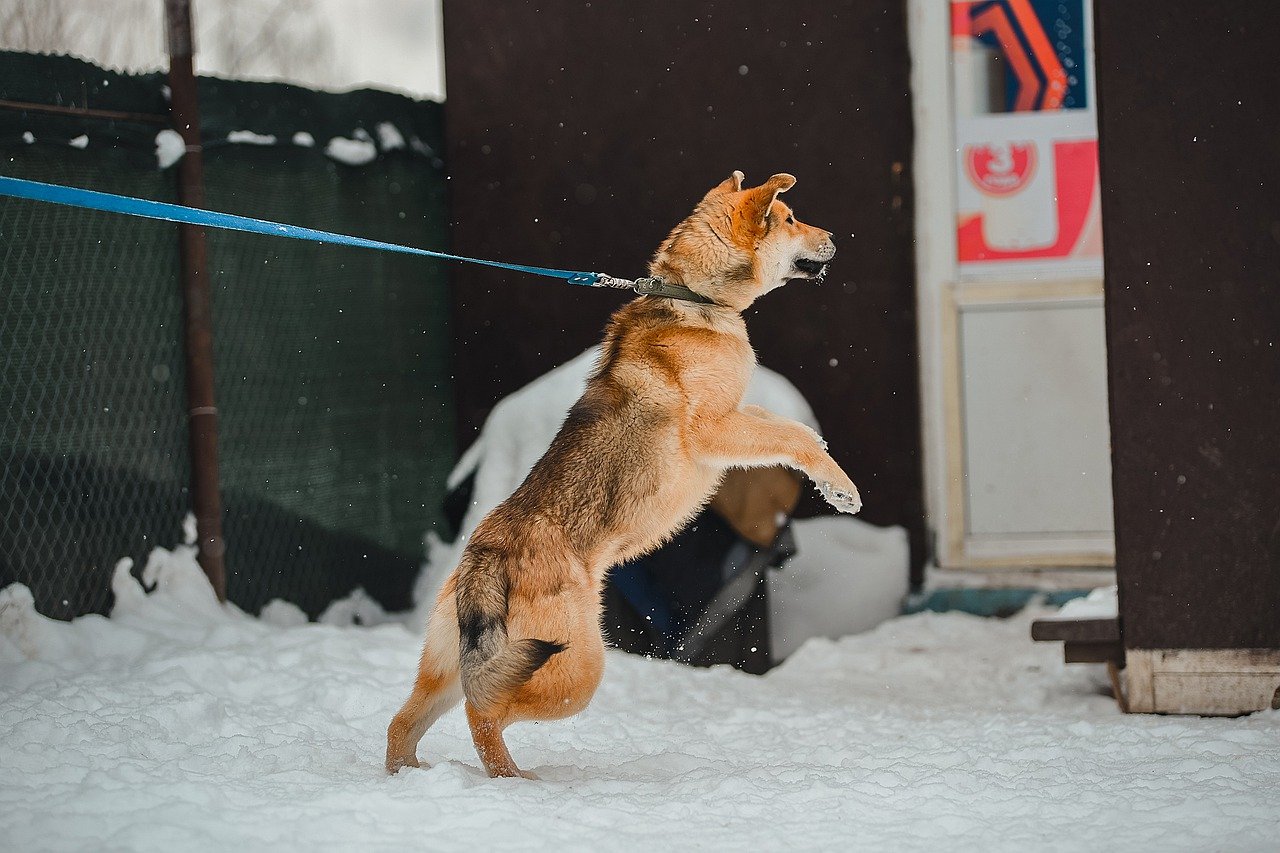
[(516, 627)]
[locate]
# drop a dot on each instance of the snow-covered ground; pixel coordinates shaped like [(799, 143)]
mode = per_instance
[(181, 725)]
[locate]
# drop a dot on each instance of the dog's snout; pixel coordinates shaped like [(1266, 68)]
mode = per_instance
[(827, 250)]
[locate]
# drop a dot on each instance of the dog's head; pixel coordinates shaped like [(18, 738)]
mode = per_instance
[(739, 244)]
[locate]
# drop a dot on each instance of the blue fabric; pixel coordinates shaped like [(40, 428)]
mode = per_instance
[(640, 591), (56, 194), (987, 602)]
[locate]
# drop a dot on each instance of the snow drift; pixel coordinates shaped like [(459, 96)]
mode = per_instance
[(182, 724)]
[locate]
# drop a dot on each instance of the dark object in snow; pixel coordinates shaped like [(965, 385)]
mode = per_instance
[(701, 599)]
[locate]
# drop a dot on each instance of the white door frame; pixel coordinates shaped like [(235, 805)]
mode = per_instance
[(940, 296)]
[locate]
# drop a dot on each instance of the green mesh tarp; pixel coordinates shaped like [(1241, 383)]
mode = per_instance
[(332, 371)]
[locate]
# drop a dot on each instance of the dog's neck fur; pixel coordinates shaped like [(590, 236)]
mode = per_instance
[(717, 318), (735, 289), (733, 296)]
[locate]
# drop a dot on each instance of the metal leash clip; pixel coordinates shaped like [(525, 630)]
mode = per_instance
[(652, 287), (658, 287), (649, 286), (603, 280)]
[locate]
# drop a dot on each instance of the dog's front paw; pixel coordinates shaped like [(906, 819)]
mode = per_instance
[(848, 501)]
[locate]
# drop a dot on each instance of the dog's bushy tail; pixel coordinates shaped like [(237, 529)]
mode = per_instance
[(491, 665)]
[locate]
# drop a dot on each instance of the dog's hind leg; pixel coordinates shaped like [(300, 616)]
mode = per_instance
[(437, 688), (486, 731), (433, 694)]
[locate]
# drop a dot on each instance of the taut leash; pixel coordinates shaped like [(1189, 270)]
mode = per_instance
[(129, 206)]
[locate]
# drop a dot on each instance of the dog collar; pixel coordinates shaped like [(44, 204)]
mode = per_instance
[(653, 287), (658, 287)]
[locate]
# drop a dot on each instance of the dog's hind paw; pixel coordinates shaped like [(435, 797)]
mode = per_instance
[(395, 765), (848, 502)]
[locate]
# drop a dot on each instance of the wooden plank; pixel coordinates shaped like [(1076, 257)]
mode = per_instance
[(1187, 134), (587, 130), (1076, 630), (1223, 682), (1214, 694), (1140, 695), (1217, 660), (1093, 652)]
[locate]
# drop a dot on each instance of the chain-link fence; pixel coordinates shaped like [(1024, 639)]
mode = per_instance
[(332, 364)]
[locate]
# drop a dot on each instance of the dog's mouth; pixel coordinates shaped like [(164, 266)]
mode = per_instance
[(811, 268)]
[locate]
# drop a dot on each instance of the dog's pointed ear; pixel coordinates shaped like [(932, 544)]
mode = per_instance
[(731, 184), (758, 200)]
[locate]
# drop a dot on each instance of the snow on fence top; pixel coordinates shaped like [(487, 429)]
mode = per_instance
[(354, 128)]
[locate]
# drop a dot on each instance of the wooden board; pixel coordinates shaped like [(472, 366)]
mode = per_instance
[(1084, 640), (580, 133), (1188, 128), (1223, 682)]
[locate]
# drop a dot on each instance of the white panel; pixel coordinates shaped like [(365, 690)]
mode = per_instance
[(1034, 403)]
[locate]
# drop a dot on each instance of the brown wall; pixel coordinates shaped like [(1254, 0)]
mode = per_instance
[(1189, 130), (579, 133)]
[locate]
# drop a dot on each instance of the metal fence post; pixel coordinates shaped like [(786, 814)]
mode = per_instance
[(202, 412)]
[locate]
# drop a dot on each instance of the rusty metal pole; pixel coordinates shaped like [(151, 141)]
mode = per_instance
[(202, 412)]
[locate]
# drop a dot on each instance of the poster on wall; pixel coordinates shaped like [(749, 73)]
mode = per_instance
[(1027, 199)]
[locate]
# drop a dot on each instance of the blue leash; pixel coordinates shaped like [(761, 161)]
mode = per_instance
[(55, 194), (92, 200)]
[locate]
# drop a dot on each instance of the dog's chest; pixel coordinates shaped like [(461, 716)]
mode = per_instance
[(723, 381)]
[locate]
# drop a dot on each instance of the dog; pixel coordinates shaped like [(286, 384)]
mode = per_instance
[(516, 627)]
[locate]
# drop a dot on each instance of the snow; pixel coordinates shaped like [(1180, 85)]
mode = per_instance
[(169, 147), (181, 724), (358, 608), (1101, 603), (847, 577), (304, 139), (421, 147), (810, 596), (284, 614), (190, 529), (353, 152), (248, 137), (389, 137), (28, 137), (81, 141)]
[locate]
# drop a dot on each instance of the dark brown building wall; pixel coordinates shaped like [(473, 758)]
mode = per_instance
[(1189, 124), (580, 133)]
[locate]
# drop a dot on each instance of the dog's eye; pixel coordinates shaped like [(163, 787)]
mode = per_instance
[(791, 219)]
